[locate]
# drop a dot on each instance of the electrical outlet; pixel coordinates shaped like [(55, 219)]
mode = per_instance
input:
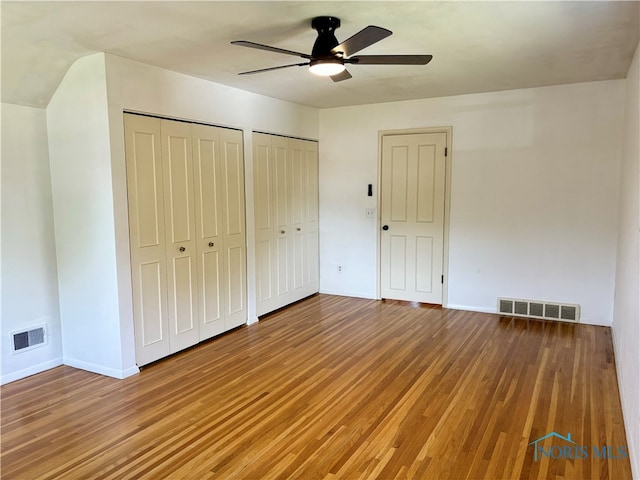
[(370, 212), (339, 268)]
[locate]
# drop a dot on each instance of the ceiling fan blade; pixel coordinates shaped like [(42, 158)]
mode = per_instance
[(273, 68), (344, 75), (390, 59), (365, 37), (259, 46)]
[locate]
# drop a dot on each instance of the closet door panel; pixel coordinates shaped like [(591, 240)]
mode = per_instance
[(264, 268), (147, 237), (280, 181), (282, 187), (211, 298), (208, 212), (234, 228), (146, 183), (298, 185), (264, 196), (206, 176), (233, 185), (180, 234), (150, 303), (262, 172), (182, 297), (310, 226), (179, 191), (282, 266), (311, 184), (312, 279), (298, 263), (236, 282), (298, 208)]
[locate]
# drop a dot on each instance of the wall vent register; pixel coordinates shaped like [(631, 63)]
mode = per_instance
[(28, 339), (566, 312)]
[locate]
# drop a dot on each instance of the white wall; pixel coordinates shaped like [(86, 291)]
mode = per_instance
[(80, 159), (143, 88), (626, 322), (29, 277), (534, 195)]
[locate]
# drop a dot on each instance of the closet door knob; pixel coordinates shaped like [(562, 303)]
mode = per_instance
[(282, 232), (298, 229), (182, 249), (211, 244), (385, 227)]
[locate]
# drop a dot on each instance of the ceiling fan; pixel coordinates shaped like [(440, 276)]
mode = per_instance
[(328, 57)]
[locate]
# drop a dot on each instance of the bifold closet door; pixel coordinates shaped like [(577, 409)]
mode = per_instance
[(303, 218), (286, 219), (187, 227), (282, 220), (264, 198), (310, 219), (273, 233), (220, 228), (208, 209), (180, 222), (298, 216), (147, 237), (233, 227)]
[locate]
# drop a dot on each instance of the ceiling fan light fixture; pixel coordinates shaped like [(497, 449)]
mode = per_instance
[(326, 67)]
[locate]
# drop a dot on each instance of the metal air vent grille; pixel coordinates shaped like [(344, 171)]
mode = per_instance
[(567, 312)]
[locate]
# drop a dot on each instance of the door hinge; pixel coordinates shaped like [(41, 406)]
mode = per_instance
[(442, 279), (446, 150)]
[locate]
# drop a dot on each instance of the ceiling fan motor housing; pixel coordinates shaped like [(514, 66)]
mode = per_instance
[(326, 40)]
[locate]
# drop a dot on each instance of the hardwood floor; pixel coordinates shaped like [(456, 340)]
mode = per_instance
[(334, 388)]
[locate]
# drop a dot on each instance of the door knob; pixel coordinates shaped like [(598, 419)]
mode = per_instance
[(182, 249), (211, 244), (282, 232), (298, 229), (385, 227)]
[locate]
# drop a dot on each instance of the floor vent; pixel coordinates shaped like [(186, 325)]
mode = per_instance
[(566, 312), (29, 339)]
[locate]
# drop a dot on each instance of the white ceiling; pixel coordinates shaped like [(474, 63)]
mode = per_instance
[(477, 46)]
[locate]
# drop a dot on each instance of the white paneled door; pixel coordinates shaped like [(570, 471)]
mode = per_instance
[(180, 233), (282, 209), (286, 220), (263, 192), (187, 227), (208, 211), (147, 238), (233, 228), (412, 216)]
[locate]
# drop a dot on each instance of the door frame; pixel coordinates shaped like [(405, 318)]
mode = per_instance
[(447, 203)]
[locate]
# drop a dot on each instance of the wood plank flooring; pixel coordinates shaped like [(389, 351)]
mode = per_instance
[(333, 388)]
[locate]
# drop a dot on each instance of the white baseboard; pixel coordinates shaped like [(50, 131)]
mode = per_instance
[(129, 372), (632, 448), (252, 320), (102, 370), (349, 294), (470, 308), (27, 372), (591, 321)]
